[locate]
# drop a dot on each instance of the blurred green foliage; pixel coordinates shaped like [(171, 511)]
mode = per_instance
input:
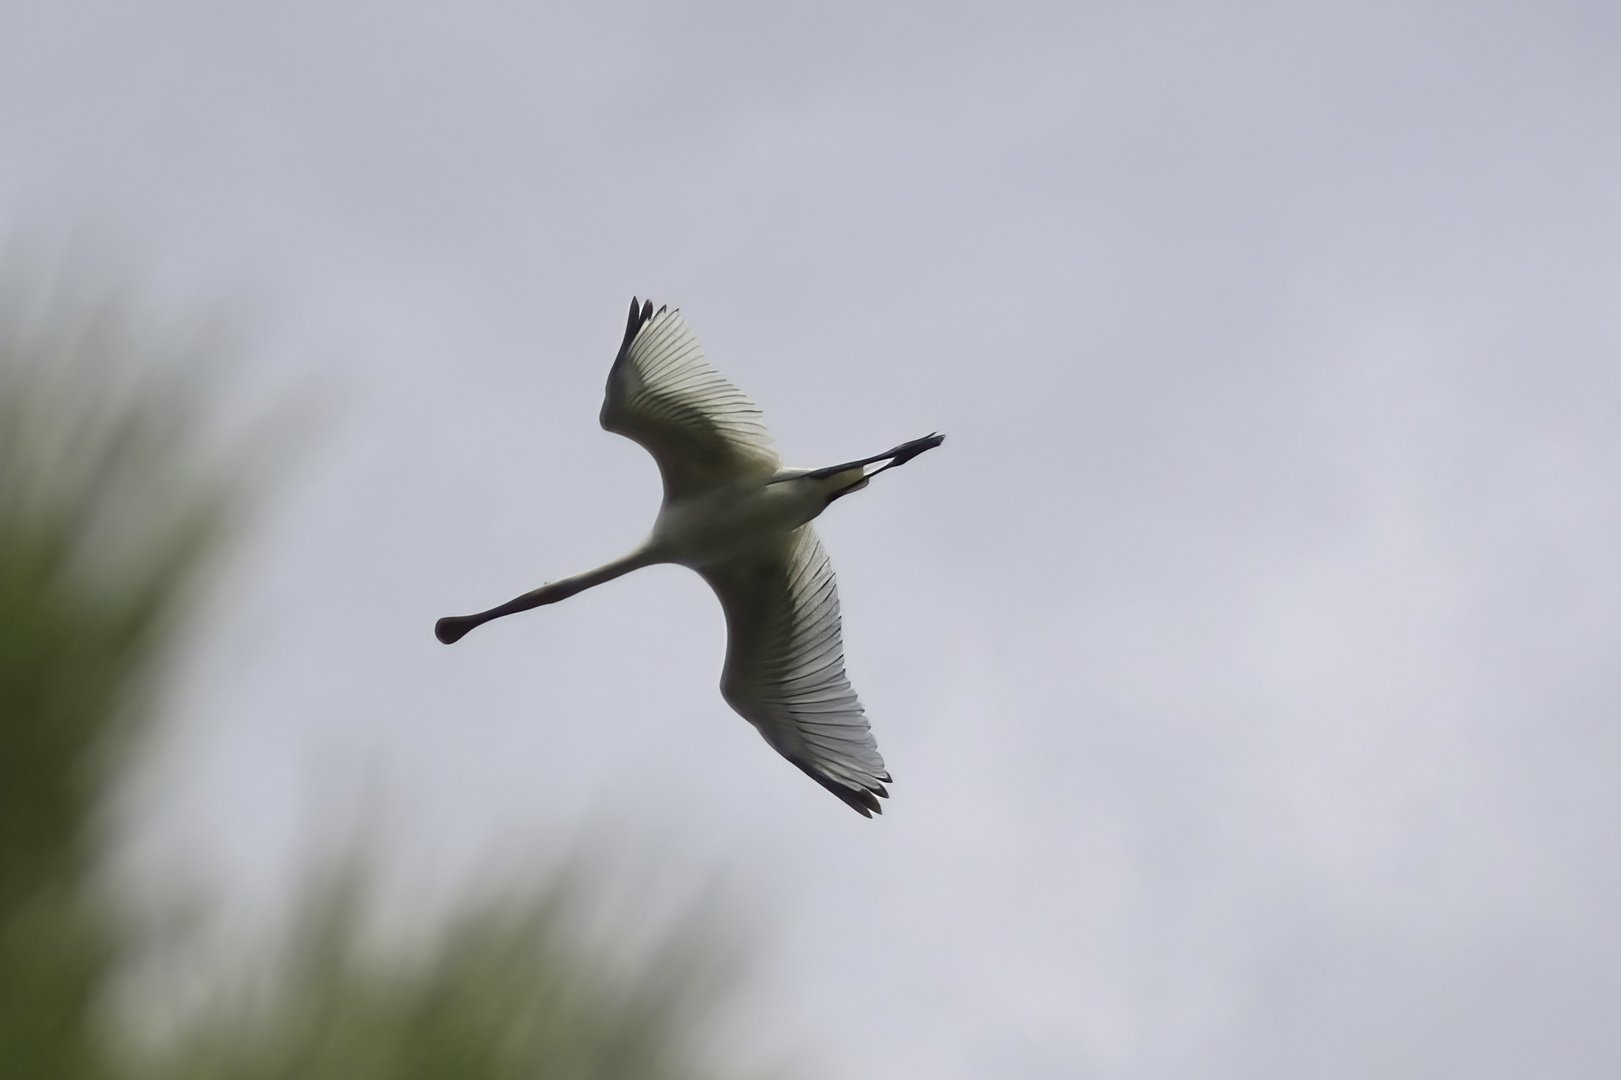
[(101, 538), (113, 505), (506, 991)]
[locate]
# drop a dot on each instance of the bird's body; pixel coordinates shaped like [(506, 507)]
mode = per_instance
[(733, 520), (733, 513)]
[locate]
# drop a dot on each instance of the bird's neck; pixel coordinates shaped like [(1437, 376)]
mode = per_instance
[(564, 588)]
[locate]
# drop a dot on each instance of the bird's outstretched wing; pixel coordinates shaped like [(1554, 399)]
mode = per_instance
[(785, 666), (662, 393)]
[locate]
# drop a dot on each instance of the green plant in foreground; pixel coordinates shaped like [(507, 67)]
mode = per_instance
[(506, 991), (103, 531), (109, 518)]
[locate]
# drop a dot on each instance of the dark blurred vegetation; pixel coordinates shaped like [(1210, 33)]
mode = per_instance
[(116, 500)]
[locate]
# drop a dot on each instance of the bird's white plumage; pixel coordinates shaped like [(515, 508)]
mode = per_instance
[(785, 660), (702, 430)]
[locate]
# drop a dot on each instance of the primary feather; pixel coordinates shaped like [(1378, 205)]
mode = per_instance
[(663, 394)]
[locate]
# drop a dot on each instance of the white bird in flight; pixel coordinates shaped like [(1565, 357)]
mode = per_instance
[(737, 516)]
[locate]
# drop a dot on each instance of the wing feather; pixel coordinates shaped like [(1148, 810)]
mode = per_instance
[(663, 394), (785, 666)]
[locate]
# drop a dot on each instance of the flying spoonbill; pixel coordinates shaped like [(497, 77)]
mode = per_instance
[(737, 516)]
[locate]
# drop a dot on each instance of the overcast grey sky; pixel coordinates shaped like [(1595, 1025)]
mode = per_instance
[(1246, 659)]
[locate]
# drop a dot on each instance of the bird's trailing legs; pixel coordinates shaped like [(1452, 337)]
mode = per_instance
[(900, 455)]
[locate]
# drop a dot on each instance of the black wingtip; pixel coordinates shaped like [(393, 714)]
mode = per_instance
[(863, 801), (640, 312), (857, 799)]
